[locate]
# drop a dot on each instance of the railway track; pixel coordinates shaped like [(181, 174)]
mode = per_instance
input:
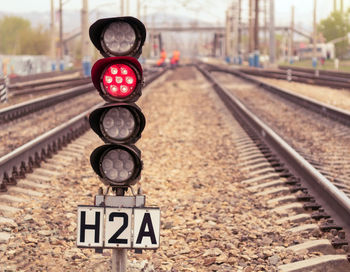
[(25, 91), (326, 188), (331, 79), (230, 200), (319, 107), (16, 163), (25, 88)]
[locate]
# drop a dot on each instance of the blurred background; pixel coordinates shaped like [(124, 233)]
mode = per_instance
[(47, 35)]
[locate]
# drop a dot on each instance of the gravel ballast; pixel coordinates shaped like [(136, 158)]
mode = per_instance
[(209, 220)]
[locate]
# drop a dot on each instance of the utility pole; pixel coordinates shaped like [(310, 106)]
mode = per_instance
[(256, 26), (265, 26), (85, 39), (272, 32), (61, 37), (235, 14), (291, 32), (239, 27), (251, 27), (228, 33), (53, 37), (314, 37)]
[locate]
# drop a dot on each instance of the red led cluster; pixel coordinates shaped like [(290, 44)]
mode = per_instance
[(119, 80)]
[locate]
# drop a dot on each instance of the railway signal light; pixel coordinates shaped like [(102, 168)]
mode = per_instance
[(118, 123), (119, 79), (117, 165), (118, 222), (119, 36)]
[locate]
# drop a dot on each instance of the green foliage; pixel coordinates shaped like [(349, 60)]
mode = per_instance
[(19, 38), (336, 25)]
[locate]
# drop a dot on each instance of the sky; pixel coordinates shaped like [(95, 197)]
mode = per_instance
[(210, 10)]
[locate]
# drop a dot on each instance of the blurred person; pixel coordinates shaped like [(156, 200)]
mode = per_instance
[(161, 61), (163, 54), (174, 62)]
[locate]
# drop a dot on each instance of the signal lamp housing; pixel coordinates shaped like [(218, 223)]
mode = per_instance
[(118, 123), (118, 79), (117, 165), (118, 36)]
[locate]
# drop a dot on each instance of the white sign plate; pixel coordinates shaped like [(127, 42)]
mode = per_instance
[(90, 226), (146, 227), (118, 227), (113, 227)]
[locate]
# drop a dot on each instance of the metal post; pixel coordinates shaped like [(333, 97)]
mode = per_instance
[(239, 26), (84, 29), (251, 26), (53, 37), (228, 34), (314, 34), (265, 26), (119, 260), (235, 30), (291, 32), (61, 33), (119, 256), (256, 26), (272, 32), (84, 39)]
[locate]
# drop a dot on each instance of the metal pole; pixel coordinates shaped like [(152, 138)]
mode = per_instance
[(61, 32), (235, 30), (52, 30), (272, 32), (84, 39), (251, 26), (228, 36), (265, 26), (314, 34), (239, 26), (119, 256), (84, 29), (256, 26), (291, 32)]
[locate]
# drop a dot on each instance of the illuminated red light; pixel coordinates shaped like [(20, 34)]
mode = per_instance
[(119, 80)]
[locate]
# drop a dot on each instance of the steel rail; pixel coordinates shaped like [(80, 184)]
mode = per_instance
[(303, 77), (13, 112), (22, 160), (35, 87), (340, 115), (40, 76), (16, 111), (312, 71), (334, 201)]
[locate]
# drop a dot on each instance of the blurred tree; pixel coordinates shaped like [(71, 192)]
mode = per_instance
[(336, 25), (19, 38)]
